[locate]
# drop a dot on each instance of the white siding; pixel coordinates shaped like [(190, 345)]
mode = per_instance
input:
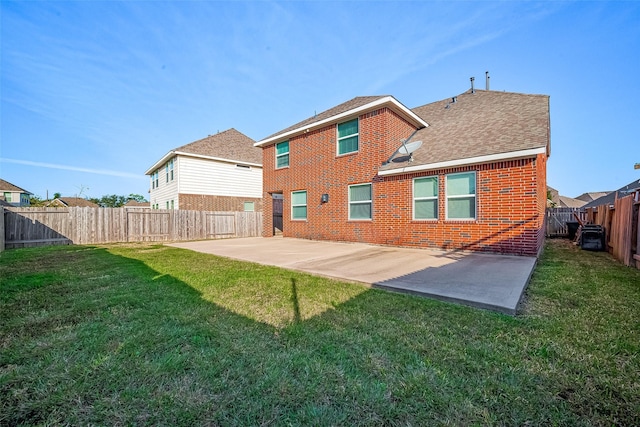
[(209, 177), (166, 191)]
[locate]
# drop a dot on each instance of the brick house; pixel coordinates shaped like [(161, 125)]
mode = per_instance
[(221, 172), (475, 178)]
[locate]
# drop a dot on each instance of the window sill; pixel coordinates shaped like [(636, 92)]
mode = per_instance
[(351, 153)]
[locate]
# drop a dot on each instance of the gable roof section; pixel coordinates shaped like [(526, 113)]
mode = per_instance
[(229, 146), (7, 186), (588, 197), (568, 202), (478, 127), (72, 202), (345, 111)]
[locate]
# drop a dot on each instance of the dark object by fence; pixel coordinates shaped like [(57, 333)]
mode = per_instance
[(592, 238), (572, 228)]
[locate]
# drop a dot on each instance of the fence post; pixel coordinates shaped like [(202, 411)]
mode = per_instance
[(1, 228)]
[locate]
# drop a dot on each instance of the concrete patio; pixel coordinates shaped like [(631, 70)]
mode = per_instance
[(494, 282)]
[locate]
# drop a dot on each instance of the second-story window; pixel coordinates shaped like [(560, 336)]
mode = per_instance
[(348, 137), (169, 170), (282, 154)]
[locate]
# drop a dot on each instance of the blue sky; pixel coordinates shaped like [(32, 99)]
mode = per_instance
[(93, 93)]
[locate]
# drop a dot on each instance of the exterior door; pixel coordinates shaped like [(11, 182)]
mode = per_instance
[(277, 213)]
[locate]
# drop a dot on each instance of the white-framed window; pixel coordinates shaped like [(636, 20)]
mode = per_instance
[(348, 137), (360, 201), (299, 204), (249, 206), (425, 198), (7, 196), (461, 195), (282, 154), (172, 205), (155, 179), (169, 170)]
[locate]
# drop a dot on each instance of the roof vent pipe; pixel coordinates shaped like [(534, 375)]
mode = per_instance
[(487, 79), (472, 89)]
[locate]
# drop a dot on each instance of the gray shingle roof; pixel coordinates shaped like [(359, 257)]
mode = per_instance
[(479, 124), (610, 198), (230, 144), (334, 111)]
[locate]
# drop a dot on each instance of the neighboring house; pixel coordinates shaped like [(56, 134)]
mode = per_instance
[(221, 172), (610, 198), (70, 202), (589, 197), (477, 182), (135, 205), (14, 195)]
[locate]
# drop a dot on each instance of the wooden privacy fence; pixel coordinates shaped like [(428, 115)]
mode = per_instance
[(619, 221), (557, 218), (24, 227)]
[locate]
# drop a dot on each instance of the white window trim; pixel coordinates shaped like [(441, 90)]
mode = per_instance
[(461, 196), (436, 198), (359, 201), (283, 154), (306, 205), (338, 138)]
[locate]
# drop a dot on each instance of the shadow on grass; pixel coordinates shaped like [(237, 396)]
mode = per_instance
[(153, 335)]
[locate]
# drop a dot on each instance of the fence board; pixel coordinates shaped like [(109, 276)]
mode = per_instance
[(557, 219), (25, 227)]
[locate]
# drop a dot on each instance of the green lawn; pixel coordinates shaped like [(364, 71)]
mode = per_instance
[(153, 335)]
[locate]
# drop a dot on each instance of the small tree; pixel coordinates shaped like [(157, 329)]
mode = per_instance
[(137, 197), (36, 201)]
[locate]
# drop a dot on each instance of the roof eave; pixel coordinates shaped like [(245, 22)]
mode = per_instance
[(406, 113), (162, 160), (513, 155)]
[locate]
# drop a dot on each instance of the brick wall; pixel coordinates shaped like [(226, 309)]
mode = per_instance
[(201, 202), (510, 195)]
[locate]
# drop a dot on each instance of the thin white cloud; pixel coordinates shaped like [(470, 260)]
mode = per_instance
[(72, 168)]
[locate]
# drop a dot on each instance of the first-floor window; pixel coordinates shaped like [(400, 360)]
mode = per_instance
[(360, 201), (461, 195), (299, 205), (167, 204), (172, 204), (425, 198), (249, 206)]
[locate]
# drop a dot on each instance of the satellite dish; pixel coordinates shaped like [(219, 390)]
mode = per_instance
[(410, 147)]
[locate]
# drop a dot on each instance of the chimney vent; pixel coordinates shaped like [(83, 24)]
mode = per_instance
[(487, 79), (472, 89)]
